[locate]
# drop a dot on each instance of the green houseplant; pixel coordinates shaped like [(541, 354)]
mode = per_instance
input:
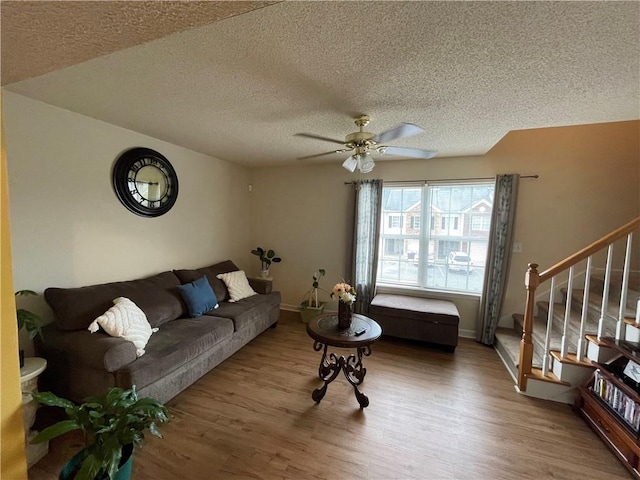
[(310, 306), (266, 258), (28, 320), (112, 425)]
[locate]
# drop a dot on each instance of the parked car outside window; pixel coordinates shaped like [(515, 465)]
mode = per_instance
[(459, 262)]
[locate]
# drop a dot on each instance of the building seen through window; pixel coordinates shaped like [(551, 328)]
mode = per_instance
[(435, 236)]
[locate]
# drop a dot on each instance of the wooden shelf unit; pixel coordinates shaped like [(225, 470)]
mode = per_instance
[(610, 404)]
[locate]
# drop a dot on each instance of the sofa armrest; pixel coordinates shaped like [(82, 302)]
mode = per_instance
[(261, 285), (97, 350)]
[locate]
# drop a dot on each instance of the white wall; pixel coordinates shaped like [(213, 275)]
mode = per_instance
[(588, 186), (68, 227)]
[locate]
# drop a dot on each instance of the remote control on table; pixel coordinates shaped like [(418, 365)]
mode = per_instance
[(360, 331)]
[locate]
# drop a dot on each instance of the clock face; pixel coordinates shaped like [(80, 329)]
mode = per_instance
[(145, 182)]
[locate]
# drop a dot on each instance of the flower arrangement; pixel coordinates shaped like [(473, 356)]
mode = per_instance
[(345, 293)]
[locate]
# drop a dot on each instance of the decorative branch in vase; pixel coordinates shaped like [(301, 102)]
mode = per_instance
[(310, 306)]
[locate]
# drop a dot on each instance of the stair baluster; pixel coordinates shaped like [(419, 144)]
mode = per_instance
[(546, 362), (581, 347), (564, 347), (605, 291), (620, 334)]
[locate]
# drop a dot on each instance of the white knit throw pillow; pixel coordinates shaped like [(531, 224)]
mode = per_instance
[(126, 320), (237, 284)]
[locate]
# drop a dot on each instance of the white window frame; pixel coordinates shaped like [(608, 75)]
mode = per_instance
[(431, 264)]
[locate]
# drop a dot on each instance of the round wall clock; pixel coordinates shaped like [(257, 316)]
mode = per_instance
[(145, 182)]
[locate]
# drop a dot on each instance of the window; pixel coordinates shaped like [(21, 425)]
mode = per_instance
[(480, 223), (444, 246)]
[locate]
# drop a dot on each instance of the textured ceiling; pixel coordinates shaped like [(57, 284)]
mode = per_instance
[(239, 89), (39, 37)]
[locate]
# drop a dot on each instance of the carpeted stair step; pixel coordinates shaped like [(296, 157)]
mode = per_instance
[(633, 291), (508, 344), (573, 328), (595, 305), (539, 332)]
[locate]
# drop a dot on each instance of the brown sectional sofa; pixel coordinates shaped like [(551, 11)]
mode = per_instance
[(81, 364)]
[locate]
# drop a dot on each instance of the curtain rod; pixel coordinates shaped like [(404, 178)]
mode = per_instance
[(446, 179)]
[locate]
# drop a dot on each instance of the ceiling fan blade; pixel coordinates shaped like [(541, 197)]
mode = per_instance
[(408, 152), (401, 131), (321, 154), (318, 137)]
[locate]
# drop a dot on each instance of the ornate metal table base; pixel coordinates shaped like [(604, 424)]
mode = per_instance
[(331, 365)]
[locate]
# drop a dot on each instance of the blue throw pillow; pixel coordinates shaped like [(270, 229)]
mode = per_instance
[(199, 296)]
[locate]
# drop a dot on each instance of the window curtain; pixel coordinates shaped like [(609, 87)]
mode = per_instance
[(498, 256), (364, 262)]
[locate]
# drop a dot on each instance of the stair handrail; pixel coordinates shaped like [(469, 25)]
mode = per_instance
[(589, 250), (533, 279)]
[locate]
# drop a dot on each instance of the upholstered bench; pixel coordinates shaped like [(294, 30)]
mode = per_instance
[(416, 318)]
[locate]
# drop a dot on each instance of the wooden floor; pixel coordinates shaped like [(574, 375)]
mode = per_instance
[(433, 415)]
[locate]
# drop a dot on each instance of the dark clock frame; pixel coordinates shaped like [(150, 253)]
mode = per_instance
[(125, 168)]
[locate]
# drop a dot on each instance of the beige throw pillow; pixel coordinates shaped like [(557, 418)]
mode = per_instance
[(237, 284), (126, 320)]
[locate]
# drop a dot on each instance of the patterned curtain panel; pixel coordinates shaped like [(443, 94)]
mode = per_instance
[(368, 202), (498, 256)]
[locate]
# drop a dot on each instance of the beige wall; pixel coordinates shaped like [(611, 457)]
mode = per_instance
[(68, 227), (589, 184)]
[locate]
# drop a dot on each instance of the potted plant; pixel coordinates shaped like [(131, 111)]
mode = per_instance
[(112, 424), (28, 320), (266, 258), (310, 306)]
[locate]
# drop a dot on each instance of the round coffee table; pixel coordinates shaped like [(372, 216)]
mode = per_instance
[(362, 333)]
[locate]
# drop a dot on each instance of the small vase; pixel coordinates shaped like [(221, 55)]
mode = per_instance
[(344, 315)]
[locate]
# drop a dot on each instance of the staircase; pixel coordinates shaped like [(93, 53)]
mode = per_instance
[(549, 353)]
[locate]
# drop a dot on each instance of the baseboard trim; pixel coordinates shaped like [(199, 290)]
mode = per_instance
[(467, 333)]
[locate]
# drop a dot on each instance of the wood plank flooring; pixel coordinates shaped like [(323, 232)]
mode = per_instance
[(433, 415)]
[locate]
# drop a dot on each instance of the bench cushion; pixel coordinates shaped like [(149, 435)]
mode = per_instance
[(417, 308)]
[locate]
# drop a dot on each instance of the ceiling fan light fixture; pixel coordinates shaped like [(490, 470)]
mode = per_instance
[(365, 162), (350, 163)]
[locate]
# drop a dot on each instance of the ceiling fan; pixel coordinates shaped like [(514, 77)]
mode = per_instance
[(364, 143)]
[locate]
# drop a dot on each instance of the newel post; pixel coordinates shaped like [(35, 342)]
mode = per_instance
[(531, 281)]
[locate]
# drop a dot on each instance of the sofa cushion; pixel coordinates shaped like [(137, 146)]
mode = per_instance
[(237, 284), (125, 320), (157, 296), (211, 272), (199, 296), (245, 311), (174, 345)]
